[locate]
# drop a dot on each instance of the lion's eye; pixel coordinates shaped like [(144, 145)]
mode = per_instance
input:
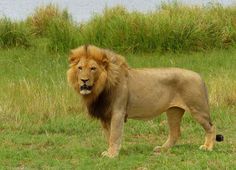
[(93, 68), (80, 68)]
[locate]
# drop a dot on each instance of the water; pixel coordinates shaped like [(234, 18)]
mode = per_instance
[(82, 10)]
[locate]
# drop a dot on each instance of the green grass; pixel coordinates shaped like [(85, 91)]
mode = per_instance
[(40, 20), (43, 126), (42, 123), (170, 28), (63, 35), (173, 27), (14, 34)]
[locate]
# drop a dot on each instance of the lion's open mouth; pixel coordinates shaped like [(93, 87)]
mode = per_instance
[(85, 89)]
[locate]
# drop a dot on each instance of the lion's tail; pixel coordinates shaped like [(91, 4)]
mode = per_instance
[(219, 138), (206, 92)]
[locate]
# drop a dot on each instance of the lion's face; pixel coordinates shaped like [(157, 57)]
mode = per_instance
[(93, 70), (88, 73)]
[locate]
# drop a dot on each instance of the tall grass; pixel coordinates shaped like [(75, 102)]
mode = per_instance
[(63, 35), (13, 34), (41, 19), (172, 27), (56, 25)]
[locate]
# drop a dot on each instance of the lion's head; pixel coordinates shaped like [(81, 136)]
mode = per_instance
[(93, 70)]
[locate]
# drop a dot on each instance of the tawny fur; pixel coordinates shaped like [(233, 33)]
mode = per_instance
[(119, 92)]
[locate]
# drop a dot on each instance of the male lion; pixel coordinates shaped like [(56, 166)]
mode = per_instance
[(113, 92)]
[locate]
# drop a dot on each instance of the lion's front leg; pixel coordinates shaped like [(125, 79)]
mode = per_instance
[(116, 129), (106, 125)]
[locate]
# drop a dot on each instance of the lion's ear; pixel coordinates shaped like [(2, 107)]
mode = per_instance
[(72, 57), (105, 61)]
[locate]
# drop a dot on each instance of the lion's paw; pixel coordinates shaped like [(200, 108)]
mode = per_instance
[(157, 149), (108, 154), (205, 148), (105, 153)]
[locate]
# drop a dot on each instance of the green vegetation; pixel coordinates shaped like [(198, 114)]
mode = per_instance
[(14, 34), (40, 21), (56, 26), (172, 27), (42, 123)]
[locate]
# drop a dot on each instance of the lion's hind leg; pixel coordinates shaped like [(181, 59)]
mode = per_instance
[(174, 116), (203, 118)]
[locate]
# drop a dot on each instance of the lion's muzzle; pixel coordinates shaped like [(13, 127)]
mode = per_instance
[(85, 89)]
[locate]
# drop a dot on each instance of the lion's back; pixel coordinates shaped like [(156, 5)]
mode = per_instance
[(166, 76)]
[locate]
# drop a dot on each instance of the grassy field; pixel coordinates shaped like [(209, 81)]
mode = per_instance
[(43, 126), (42, 123)]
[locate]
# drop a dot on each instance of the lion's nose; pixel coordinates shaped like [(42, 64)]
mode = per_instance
[(84, 80)]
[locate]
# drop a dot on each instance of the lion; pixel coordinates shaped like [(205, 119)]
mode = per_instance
[(113, 92)]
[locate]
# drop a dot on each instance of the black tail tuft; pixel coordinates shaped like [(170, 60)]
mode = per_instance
[(219, 138)]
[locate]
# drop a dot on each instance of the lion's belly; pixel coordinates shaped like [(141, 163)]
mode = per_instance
[(146, 100), (141, 107), (139, 112)]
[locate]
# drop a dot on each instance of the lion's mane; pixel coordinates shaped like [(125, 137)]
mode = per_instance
[(99, 102)]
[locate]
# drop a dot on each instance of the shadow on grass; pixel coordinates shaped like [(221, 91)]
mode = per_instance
[(147, 149), (136, 149), (195, 148)]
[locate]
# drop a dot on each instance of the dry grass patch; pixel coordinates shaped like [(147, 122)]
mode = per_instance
[(222, 91)]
